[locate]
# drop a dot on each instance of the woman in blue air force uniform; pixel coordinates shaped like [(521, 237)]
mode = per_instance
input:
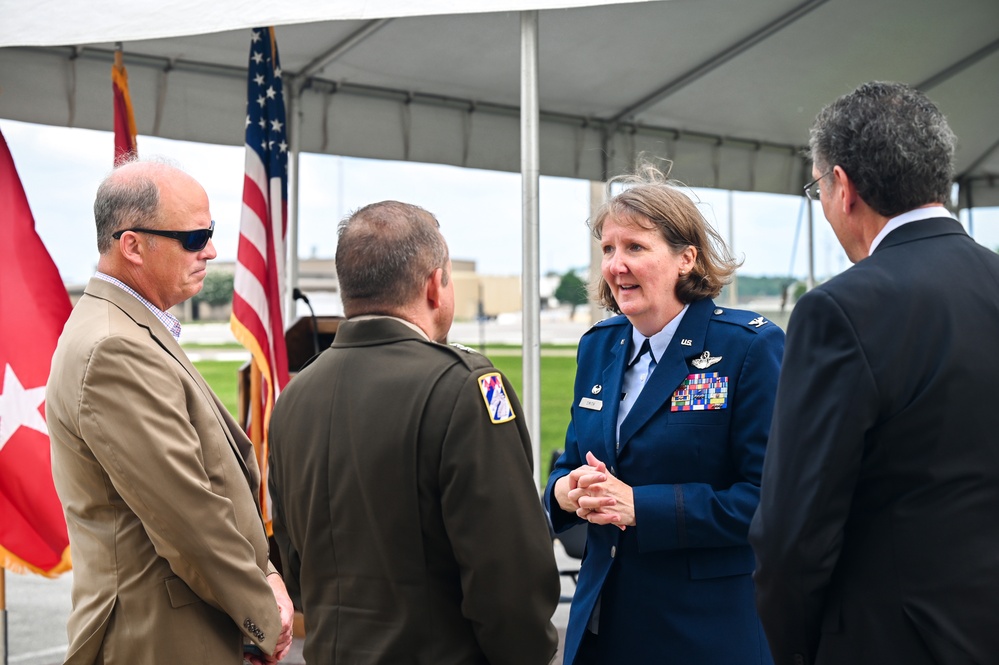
[(664, 452)]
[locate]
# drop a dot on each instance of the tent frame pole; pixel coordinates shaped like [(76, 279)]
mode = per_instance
[(530, 171), (3, 616), (291, 244)]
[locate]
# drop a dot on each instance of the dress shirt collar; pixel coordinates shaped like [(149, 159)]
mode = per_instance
[(166, 318), (912, 216), (408, 324), (657, 342)]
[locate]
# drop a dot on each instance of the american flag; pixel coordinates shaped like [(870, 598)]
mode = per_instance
[(259, 282)]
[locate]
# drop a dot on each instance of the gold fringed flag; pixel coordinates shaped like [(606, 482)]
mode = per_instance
[(34, 307), (125, 146)]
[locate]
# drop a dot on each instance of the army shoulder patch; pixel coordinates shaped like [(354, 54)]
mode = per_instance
[(495, 397)]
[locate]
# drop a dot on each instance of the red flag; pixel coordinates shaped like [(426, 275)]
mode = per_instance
[(125, 145), (34, 307), (259, 282)]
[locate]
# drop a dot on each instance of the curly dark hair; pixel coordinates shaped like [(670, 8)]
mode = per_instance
[(893, 143)]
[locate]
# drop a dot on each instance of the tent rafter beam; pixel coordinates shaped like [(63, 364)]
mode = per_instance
[(717, 61), (361, 34), (958, 67), (316, 85), (988, 152)]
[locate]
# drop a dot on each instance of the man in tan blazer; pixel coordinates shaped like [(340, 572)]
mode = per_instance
[(157, 480)]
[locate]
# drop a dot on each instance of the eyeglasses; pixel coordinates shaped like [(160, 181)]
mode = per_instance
[(812, 190), (192, 241)]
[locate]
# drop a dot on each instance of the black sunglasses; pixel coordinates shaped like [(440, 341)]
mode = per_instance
[(192, 241)]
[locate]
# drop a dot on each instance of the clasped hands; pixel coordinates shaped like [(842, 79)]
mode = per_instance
[(595, 495), (287, 612)]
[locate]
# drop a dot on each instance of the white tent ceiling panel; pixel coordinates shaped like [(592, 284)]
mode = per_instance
[(111, 20), (726, 88), (699, 163)]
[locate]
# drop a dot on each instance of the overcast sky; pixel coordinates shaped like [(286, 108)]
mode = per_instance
[(479, 211)]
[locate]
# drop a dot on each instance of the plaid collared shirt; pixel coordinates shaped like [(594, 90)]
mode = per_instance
[(166, 318)]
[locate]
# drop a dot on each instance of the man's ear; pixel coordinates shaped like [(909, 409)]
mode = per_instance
[(435, 286), (131, 248), (846, 192)]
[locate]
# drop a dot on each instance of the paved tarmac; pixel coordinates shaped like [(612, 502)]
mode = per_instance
[(37, 610), (505, 330)]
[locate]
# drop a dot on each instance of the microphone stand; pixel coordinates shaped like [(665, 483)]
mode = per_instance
[(298, 295)]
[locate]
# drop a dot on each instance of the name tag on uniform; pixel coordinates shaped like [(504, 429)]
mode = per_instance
[(592, 404), (701, 392)]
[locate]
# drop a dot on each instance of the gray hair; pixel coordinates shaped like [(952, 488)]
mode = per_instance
[(893, 143), (129, 197), (385, 253)]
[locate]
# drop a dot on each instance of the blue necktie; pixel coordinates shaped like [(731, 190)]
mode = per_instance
[(646, 348)]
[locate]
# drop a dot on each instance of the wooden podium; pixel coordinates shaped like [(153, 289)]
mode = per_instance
[(301, 346)]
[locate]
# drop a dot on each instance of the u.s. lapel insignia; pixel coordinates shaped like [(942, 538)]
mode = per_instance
[(686, 342), (596, 389), (495, 397), (705, 360), (758, 322)]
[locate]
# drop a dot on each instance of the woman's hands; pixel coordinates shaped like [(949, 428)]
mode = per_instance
[(595, 495)]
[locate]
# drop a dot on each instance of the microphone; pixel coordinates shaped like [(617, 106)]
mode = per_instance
[(297, 294)]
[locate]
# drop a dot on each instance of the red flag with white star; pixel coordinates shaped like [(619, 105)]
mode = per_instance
[(34, 307)]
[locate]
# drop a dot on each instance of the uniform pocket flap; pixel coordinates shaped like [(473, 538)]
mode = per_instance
[(180, 594)]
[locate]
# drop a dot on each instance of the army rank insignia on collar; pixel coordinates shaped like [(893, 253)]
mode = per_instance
[(495, 397)]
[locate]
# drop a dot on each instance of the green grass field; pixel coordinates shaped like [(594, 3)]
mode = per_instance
[(557, 374), (221, 376)]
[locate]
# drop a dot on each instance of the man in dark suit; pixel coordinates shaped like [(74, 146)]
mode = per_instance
[(404, 503), (876, 532)]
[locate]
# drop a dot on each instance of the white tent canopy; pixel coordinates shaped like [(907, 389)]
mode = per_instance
[(726, 88)]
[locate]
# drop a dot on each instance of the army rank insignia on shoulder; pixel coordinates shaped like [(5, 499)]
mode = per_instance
[(495, 397)]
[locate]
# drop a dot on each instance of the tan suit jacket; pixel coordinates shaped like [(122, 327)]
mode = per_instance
[(158, 484)]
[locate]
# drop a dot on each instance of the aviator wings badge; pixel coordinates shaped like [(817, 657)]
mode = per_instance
[(705, 360)]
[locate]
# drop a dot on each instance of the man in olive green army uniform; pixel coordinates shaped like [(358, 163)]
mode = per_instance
[(403, 496)]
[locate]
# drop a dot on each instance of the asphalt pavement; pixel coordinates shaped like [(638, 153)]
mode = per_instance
[(38, 607)]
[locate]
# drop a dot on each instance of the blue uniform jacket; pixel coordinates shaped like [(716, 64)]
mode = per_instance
[(677, 587)]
